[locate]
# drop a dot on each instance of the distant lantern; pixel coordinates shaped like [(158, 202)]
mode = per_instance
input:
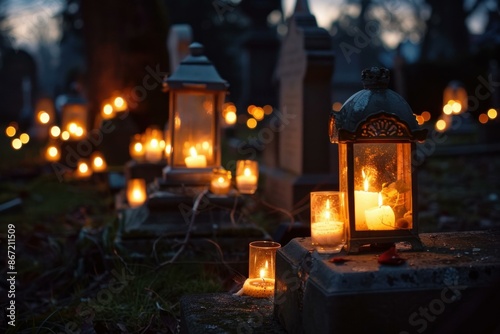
[(376, 132), (455, 98), (74, 115), (196, 93)]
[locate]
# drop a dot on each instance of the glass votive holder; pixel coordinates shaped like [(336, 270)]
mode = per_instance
[(136, 192), (328, 221), (220, 183), (247, 176), (136, 147), (261, 269)]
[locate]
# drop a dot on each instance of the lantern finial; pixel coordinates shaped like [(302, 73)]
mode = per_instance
[(375, 77), (196, 49)]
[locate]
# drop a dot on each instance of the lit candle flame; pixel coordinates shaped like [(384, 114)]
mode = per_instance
[(380, 200), (220, 180), (247, 172), (365, 180), (192, 152), (327, 210)]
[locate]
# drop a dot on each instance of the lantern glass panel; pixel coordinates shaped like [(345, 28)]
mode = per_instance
[(382, 186), (194, 130)]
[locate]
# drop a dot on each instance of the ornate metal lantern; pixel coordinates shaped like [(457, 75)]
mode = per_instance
[(377, 132), (197, 94)]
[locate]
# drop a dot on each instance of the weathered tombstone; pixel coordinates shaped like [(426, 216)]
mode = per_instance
[(302, 162)]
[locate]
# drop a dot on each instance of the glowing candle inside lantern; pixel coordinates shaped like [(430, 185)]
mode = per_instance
[(363, 200), (381, 217), (136, 148), (154, 151), (195, 160)]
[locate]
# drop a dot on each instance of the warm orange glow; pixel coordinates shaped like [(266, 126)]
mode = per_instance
[(426, 116), (17, 143), (120, 103), (83, 167), (336, 106), (138, 147), (230, 118), (420, 119), (10, 131), (492, 113), (366, 185), (55, 131), (98, 162), (65, 135), (52, 153), (268, 110), (192, 152), (24, 137), (250, 109), (456, 107), (107, 111), (136, 192), (251, 123), (483, 118), (168, 150), (43, 117), (441, 125), (258, 113), (247, 171), (447, 109)]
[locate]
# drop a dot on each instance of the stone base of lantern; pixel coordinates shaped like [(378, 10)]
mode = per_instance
[(447, 288)]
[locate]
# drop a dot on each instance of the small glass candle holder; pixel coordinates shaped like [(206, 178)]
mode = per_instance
[(136, 192), (220, 183), (136, 148), (261, 269), (247, 176), (152, 145), (328, 221)]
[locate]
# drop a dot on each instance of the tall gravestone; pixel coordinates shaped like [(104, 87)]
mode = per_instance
[(302, 161)]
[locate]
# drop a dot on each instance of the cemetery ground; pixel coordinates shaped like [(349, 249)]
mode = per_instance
[(71, 277)]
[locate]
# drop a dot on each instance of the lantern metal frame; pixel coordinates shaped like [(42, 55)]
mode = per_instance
[(195, 75), (376, 115)]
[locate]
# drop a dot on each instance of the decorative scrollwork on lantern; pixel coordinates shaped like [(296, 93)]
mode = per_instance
[(383, 125)]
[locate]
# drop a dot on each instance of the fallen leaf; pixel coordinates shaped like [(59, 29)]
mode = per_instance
[(338, 260), (391, 257)]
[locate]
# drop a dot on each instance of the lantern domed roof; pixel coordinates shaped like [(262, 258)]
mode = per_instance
[(375, 99), (196, 70)]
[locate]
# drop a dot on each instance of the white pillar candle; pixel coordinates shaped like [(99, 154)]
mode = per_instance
[(381, 217), (195, 160)]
